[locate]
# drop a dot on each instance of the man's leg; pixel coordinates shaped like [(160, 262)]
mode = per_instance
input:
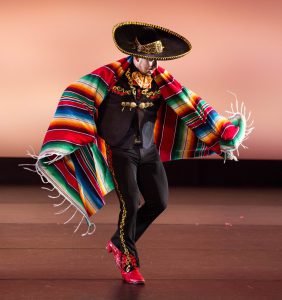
[(123, 165), (152, 183)]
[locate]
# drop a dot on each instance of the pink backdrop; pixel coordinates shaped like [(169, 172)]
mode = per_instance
[(45, 45)]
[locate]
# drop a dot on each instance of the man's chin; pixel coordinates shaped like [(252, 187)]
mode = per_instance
[(150, 72)]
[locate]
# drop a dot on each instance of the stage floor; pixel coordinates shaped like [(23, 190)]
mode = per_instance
[(210, 243)]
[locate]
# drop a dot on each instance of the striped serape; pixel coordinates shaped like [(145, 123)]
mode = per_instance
[(73, 156)]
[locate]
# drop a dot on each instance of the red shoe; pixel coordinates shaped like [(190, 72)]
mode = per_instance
[(116, 252), (134, 276)]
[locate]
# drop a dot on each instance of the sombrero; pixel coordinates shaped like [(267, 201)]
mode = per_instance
[(149, 41)]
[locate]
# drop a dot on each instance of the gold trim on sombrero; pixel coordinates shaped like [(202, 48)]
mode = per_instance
[(151, 48), (156, 27)]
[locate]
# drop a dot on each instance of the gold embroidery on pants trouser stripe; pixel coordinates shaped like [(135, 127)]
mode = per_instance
[(121, 232)]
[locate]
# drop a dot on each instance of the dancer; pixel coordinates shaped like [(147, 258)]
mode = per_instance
[(114, 128)]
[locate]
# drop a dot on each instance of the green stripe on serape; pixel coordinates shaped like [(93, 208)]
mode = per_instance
[(94, 81), (96, 165), (59, 147), (179, 140), (76, 97), (182, 100), (239, 121), (102, 169)]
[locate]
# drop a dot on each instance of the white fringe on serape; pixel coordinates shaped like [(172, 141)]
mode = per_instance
[(91, 227), (239, 111)]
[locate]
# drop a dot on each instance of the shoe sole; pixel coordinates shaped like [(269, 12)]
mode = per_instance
[(135, 282)]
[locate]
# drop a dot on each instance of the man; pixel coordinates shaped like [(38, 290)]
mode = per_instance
[(133, 159), (115, 126)]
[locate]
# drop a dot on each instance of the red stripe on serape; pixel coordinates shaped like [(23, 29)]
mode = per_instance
[(207, 110), (77, 127), (61, 166), (90, 176), (104, 73), (112, 72), (101, 144), (161, 76), (167, 83), (77, 138), (215, 148), (159, 124), (195, 124), (183, 110), (72, 124), (120, 66), (169, 86), (80, 91), (229, 132), (168, 134), (72, 104), (174, 89), (195, 99)]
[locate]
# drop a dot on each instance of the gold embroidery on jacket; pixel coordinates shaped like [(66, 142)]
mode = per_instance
[(121, 91), (146, 92), (123, 209)]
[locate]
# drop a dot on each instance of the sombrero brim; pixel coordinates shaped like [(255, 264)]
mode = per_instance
[(175, 45)]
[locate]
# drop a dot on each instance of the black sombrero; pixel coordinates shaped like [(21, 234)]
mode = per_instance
[(149, 41)]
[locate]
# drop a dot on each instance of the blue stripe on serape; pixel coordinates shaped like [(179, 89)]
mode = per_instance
[(88, 189), (72, 112)]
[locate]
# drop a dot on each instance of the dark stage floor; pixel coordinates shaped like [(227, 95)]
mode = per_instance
[(210, 243)]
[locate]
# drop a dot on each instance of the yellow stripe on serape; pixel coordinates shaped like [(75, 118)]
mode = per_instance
[(103, 189), (190, 143), (89, 209), (99, 167), (90, 91), (209, 138), (162, 78), (182, 109), (69, 164), (102, 148), (220, 123), (61, 122), (118, 68)]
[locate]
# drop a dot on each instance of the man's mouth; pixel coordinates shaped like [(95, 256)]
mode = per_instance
[(151, 70)]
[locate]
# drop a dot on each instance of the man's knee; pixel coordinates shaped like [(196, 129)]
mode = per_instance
[(162, 206)]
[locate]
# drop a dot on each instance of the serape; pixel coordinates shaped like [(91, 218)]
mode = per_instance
[(73, 156)]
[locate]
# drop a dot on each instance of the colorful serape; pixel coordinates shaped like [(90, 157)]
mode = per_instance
[(73, 156)]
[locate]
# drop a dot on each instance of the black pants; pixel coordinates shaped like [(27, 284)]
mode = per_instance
[(137, 170)]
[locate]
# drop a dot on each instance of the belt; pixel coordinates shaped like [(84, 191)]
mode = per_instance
[(137, 141)]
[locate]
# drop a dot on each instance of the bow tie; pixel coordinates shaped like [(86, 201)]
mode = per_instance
[(144, 81)]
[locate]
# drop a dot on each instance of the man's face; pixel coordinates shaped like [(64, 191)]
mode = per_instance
[(145, 66)]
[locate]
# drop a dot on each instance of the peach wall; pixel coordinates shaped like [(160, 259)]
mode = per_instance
[(45, 45)]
